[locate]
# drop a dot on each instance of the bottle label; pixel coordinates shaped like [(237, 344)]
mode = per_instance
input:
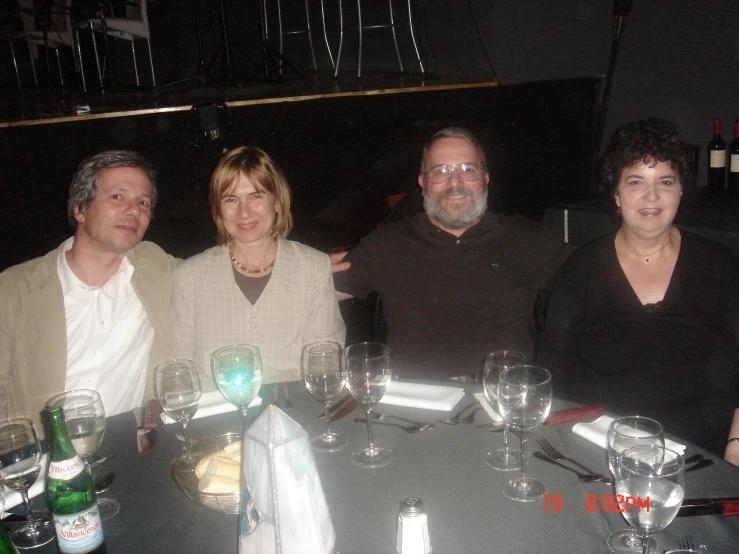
[(65, 470), (79, 533), (734, 163), (718, 158)]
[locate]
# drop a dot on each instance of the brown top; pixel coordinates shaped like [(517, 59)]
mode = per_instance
[(252, 287), (450, 301)]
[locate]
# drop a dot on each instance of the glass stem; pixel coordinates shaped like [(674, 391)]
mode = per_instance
[(524, 454), (186, 435), (506, 438), (368, 411), (32, 531), (244, 421), (327, 417), (645, 544)]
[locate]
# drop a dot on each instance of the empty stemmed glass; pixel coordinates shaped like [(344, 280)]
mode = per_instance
[(84, 417), (524, 397), (20, 465), (367, 367), (324, 378), (504, 459), (179, 392), (652, 478), (237, 370), (624, 433)]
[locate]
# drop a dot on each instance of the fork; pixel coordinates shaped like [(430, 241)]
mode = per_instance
[(686, 542), (555, 454), (408, 429), (454, 420)]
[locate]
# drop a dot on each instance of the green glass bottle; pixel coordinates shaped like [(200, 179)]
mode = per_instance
[(6, 545), (70, 493)]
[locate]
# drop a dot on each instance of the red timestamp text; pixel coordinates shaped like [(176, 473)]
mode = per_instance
[(553, 502), (618, 503)]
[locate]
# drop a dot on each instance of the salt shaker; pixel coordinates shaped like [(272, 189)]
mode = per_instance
[(413, 529)]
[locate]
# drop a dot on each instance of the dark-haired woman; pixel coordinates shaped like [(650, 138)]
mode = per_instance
[(645, 319)]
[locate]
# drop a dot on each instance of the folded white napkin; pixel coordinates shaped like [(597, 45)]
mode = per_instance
[(212, 403), (13, 498), (597, 433), (483, 400), (417, 395)]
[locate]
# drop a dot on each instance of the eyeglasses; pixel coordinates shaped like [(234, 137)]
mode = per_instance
[(440, 174)]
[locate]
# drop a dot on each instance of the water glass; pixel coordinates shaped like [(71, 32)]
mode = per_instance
[(179, 392), (237, 370), (652, 478), (624, 433), (324, 377), (524, 397), (367, 367), (504, 459)]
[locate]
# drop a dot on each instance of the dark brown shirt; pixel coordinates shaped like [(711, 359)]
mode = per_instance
[(450, 301)]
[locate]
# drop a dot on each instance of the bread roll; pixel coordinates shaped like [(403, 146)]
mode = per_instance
[(216, 484), (231, 454), (225, 468)]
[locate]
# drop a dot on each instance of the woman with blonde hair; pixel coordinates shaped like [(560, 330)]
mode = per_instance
[(255, 286)]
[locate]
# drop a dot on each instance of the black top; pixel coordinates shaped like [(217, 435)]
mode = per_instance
[(450, 301), (675, 360)]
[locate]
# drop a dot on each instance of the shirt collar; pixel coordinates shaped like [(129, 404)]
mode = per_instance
[(70, 282)]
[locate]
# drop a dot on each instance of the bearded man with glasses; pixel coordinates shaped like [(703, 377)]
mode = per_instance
[(456, 282)]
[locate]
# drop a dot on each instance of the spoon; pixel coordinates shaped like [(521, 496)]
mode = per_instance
[(103, 482), (582, 476), (408, 429)]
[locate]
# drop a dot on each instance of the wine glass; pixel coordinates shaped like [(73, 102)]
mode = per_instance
[(238, 373), (624, 433), (367, 367), (524, 397), (20, 465), (84, 417), (178, 390), (324, 377), (652, 478), (504, 459)]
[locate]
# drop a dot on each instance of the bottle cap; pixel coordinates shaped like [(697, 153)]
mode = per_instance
[(411, 506)]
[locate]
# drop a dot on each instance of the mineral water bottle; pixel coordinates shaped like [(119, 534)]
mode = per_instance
[(70, 493), (6, 545)]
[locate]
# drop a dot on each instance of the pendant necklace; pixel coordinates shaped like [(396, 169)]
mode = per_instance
[(648, 256)]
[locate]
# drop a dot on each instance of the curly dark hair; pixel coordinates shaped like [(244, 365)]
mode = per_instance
[(647, 140)]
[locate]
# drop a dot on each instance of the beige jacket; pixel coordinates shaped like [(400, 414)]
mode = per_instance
[(33, 334), (297, 307)]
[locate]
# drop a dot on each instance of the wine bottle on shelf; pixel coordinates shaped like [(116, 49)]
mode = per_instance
[(733, 184), (716, 159), (70, 493)]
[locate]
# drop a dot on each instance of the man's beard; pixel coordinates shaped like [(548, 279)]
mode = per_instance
[(456, 218)]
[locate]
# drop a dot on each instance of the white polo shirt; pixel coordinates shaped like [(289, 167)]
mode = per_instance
[(109, 337)]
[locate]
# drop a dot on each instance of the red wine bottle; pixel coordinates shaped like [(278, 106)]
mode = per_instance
[(733, 188), (716, 159)]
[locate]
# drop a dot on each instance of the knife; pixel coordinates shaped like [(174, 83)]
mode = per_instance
[(342, 408), (575, 414), (146, 425), (727, 507)]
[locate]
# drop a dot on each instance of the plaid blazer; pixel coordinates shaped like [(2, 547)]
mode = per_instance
[(297, 307)]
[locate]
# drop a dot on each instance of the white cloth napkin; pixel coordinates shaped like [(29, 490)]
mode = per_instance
[(212, 403), (483, 400), (597, 433), (418, 395), (13, 498)]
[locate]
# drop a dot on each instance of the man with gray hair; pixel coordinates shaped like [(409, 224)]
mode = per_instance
[(93, 313), (456, 282)]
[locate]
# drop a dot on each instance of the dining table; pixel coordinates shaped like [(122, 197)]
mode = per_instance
[(466, 509)]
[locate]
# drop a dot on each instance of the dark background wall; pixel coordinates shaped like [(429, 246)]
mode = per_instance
[(679, 59)]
